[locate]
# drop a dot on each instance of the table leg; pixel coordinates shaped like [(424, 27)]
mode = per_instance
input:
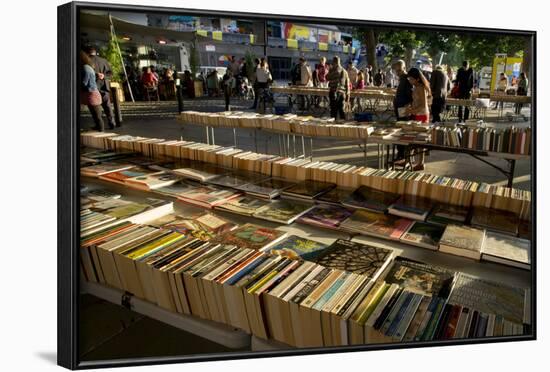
[(511, 172)]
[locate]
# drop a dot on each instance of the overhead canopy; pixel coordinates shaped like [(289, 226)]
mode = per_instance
[(101, 22)]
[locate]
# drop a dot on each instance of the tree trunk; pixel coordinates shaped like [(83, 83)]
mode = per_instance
[(527, 57), (371, 49), (408, 57)]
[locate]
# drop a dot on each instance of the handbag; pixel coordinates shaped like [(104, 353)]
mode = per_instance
[(90, 98)]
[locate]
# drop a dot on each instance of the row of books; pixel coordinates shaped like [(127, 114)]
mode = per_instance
[(383, 94), (511, 140), (288, 123), (337, 209), (437, 188), (344, 294)]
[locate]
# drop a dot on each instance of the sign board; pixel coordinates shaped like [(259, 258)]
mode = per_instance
[(210, 48)]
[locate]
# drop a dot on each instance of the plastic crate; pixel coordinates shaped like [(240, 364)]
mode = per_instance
[(281, 110), (363, 116)]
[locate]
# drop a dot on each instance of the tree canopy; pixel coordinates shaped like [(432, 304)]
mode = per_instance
[(478, 48)]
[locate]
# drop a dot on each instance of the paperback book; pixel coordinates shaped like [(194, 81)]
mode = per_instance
[(283, 211), (251, 236), (296, 247), (376, 224), (325, 215), (356, 258)]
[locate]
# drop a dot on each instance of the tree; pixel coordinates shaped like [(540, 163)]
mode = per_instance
[(402, 44), (111, 54)]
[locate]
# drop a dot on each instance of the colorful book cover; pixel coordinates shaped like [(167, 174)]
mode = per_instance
[(356, 258), (297, 247), (283, 211), (371, 199), (424, 234), (243, 205), (208, 196), (421, 278), (125, 175), (329, 216), (104, 168), (250, 236), (376, 224), (411, 206)]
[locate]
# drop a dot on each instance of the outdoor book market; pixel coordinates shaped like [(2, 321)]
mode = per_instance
[(253, 185)]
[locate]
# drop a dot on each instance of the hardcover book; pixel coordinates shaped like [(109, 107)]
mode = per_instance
[(445, 214), (412, 207), (498, 221), (335, 196), (244, 205), (370, 199), (462, 241), (121, 177), (356, 258), (295, 247), (208, 196), (507, 250), (425, 235), (236, 179), (283, 211), (308, 189), (251, 236), (104, 168), (268, 189), (325, 215), (153, 181), (421, 278), (376, 224)]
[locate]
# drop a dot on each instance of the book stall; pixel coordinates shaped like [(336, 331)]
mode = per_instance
[(509, 143), (273, 252)]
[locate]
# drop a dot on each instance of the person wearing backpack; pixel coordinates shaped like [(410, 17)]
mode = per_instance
[(339, 89)]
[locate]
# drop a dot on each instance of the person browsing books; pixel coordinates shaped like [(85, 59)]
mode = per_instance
[(89, 93), (419, 108)]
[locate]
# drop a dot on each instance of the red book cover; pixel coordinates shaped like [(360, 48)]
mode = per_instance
[(453, 321)]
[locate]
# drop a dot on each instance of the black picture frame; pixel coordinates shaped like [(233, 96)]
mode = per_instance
[(69, 181)]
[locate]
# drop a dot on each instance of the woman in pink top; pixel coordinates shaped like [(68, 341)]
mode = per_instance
[(419, 109)]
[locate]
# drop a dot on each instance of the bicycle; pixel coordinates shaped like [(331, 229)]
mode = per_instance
[(265, 101)]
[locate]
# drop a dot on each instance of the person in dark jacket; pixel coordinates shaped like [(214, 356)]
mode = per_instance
[(465, 81), (104, 73), (402, 100), (438, 84)]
